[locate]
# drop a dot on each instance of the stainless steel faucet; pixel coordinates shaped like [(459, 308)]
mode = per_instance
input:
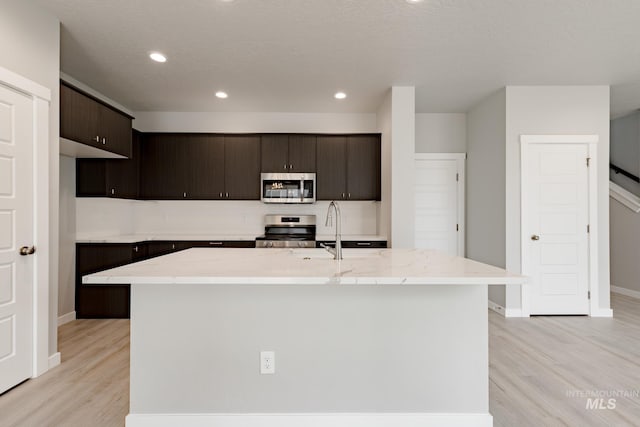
[(337, 251)]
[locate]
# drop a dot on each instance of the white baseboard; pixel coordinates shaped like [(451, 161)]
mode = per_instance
[(625, 291), (496, 307), (66, 318), (54, 360), (513, 312), (602, 312), (310, 420)]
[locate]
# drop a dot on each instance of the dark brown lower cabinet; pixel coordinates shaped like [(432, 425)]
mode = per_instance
[(97, 301), (104, 301)]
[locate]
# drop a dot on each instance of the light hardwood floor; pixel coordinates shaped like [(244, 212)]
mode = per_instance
[(535, 365)]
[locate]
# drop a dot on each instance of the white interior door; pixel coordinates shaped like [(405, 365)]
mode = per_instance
[(556, 200), (437, 205), (16, 230)]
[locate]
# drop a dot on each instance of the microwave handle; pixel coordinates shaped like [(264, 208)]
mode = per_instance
[(302, 189)]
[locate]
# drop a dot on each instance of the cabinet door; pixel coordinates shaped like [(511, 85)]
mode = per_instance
[(115, 131), (205, 171), (274, 150), (123, 175), (242, 167), (157, 248), (331, 168), (163, 174), (101, 301), (302, 153), (78, 117), (363, 167), (91, 178)]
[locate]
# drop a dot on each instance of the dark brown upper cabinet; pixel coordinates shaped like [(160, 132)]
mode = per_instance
[(288, 153), (363, 167), (348, 167), (88, 121), (200, 167), (331, 175), (118, 178), (242, 167)]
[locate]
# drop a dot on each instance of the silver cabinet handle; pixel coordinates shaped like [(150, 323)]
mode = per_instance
[(221, 195), (27, 250), (104, 141), (348, 195), (535, 237), (290, 166), (97, 138), (113, 191), (215, 243), (184, 194), (135, 249), (285, 166), (227, 195), (363, 243)]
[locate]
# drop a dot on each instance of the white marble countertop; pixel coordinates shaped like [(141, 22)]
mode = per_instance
[(134, 238), (352, 237), (307, 267)]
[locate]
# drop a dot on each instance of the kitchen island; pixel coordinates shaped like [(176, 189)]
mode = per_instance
[(386, 337)]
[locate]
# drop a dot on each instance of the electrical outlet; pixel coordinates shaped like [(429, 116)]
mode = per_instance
[(267, 362)]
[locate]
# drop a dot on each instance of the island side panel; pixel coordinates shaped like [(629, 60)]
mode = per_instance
[(359, 349)]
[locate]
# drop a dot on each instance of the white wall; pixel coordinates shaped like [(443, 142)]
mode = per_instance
[(403, 133), (625, 150), (254, 122), (441, 133), (30, 46), (67, 255), (539, 110), (625, 247), (384, 127), (485, 184)]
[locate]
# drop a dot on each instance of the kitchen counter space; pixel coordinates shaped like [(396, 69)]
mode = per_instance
[(352, 237), (136, 238), (384, 337), (307, 267)]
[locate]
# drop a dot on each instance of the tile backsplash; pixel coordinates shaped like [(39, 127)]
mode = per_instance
[(103, 216)]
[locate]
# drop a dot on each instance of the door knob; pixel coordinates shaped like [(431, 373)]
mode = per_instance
[(27, 250), (535, 237)]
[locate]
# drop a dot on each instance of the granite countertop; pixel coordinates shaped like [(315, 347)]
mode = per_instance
[(307, 267)]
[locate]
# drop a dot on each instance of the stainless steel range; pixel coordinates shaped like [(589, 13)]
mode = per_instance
[(288, 231)]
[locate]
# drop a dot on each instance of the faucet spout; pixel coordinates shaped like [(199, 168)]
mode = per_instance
[(337, 251)]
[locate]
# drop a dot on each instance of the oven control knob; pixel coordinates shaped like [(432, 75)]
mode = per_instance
[(300, 245), (270, 244)]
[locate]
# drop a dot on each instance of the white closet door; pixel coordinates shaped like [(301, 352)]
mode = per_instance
[(16, 230), (437, 209)]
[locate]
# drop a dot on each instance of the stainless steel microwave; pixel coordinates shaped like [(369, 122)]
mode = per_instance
[(288, 187)]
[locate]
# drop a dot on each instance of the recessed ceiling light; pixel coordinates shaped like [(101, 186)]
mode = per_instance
[(158, 57), (221, 94), (340, 95), (414, 1)]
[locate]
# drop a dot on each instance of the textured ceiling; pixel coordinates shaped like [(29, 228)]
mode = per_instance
[(292, 55)]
